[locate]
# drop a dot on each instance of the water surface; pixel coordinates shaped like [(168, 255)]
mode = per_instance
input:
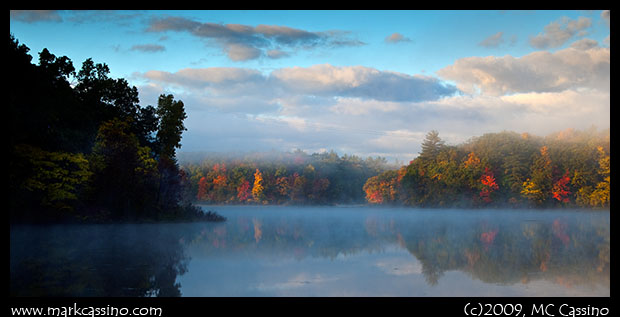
[(322, 251)]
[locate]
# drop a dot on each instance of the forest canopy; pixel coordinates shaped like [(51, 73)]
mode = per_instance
[(569, 168), (282, 178)]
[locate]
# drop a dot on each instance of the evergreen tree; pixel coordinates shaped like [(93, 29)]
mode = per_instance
[(431, 146)]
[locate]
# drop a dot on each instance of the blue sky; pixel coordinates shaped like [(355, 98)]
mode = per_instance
[(358, 82)]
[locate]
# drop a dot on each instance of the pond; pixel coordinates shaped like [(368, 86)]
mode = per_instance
[(322, 251)]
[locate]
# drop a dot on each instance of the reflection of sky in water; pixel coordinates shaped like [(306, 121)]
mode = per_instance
[(286, 251)]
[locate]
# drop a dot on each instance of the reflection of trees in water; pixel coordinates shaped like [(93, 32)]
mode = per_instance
[(507, 248), (96, 260), (515, 252), (287, 237)]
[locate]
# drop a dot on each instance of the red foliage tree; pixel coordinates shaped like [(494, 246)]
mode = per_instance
[(488, 185), (560, 188), (243, 191)]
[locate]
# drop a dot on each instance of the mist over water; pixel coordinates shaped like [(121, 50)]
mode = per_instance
[(322, 251)]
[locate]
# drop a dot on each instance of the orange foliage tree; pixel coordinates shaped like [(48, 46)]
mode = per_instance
[(382, 188)]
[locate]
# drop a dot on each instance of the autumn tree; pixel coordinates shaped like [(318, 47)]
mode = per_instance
[(537, 188), (243, 191), (298, 188), (202, 189), (382, 188), (372, 188), (488, 185), (600, 195), (258, 189), (560, 190)]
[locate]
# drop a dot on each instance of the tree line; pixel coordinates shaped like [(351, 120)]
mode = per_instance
[(282, 178), (569, 168), (82, 148)]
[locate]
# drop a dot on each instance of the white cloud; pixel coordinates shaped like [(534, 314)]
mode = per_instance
[(536, 72), (533, 112), (361, 82), (357, 106), (584, 44), (318, 80), (205, 76)]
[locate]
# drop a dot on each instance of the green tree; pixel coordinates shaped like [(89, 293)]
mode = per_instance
[(55, 178), (171, 116), (431, 146), (124, 172)]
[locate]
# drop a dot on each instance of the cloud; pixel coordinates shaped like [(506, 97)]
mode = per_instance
[(241, 52), (357, 106), (493, 41), (220, 82), (275, 54), (32, 16), (584, 44), (559, 32), (148, 48), (496, 40), (458, 117), (361, 82), (319, 80), (397, 38), (540, 71), (243, 42)]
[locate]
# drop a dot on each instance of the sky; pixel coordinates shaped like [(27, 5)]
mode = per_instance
[(366, 83)]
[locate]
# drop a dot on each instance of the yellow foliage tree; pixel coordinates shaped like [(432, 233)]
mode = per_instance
[(257, 190), (56, 175), (538, 188), (600, 195), (532, 191)]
